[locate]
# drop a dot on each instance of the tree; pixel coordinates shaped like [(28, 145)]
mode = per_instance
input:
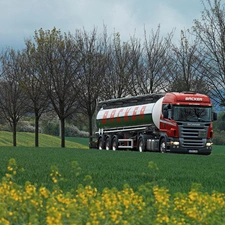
[(154, 75), (13, 101), (117, 73), (59, 61), (136, 65), (210, 30), (92, 49), (186, 71), (219, 124), (32, 84)]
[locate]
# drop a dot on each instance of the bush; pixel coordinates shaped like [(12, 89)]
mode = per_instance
[(5, 127), (73, 131), (50, 127), (218, 138), (25, 126)]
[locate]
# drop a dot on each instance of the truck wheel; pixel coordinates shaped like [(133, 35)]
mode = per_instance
[(100, 144), (141, 145), (162, 147), (115, 144), (108, 143)]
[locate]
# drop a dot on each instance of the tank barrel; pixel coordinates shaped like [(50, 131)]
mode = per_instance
[(134, 115)]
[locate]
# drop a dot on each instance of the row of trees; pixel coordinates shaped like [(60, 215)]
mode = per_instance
[(70, 73)]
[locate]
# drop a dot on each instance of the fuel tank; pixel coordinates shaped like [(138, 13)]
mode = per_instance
[(135, 115)]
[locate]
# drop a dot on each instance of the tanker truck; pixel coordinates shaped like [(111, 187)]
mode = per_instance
[(179, 122)]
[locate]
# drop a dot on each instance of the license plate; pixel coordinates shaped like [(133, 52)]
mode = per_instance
[(193, 151)]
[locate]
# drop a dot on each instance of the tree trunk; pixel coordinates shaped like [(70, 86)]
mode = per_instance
[(62, 132), (36, 129), (90, 128), (14, 133)]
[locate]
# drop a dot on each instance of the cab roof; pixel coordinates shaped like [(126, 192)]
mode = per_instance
[(184, 98)]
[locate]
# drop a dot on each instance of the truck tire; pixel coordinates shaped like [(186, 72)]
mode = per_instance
[(108, 143), (162, 146), (100, 143), (141, 144), (115, 143)]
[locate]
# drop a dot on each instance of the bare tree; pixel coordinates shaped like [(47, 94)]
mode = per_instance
[(93, 51), (58, 65), (32, 84), (136, 65), (154, 76), (187, 72), (117, 73), (13, 101), (210, 29)]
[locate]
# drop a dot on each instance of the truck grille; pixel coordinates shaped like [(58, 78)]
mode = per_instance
[(193, 137)]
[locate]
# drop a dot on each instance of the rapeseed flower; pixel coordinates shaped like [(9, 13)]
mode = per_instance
[(151, 204)]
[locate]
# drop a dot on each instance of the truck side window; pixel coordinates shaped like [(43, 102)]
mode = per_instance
[(165, 111), (169, 111)]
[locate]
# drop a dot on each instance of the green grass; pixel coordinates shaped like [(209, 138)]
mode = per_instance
[(82, 141), (110, 168), (27, 140)]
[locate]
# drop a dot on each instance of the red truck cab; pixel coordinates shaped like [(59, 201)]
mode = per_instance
[(186, 123)]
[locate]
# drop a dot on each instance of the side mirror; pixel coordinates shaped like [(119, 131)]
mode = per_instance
[(214, 116)]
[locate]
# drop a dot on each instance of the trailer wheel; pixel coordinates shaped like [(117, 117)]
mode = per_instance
[(162, 146), (100, 144), (141, 145), (115, 143), (108, 143)]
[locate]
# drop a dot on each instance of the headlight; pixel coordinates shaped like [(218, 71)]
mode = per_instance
[(208, 144), (174, 142)]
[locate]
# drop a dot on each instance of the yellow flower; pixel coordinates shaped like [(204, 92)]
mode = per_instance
[(9, 168)]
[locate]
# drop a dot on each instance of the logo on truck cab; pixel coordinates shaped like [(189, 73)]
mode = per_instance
[(193, 99)]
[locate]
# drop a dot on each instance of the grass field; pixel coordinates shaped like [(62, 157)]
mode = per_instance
[(27, 140), (111, 169)]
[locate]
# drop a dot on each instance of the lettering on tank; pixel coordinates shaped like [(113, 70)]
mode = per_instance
[(105, 117), (134, 113), (112, 115), (142, 112), (124, 113), (118, 119)]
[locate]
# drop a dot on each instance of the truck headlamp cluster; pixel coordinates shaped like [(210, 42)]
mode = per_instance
[(208, 144), (174, 142)]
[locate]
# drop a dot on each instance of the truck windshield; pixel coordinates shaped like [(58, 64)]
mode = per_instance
[(192, 113)]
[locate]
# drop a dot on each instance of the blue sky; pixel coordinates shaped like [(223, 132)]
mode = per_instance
[(20, 18)]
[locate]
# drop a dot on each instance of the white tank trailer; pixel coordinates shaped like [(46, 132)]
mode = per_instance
[(130, 116), (129, 127)]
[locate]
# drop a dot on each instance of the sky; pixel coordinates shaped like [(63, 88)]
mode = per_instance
[(20, 18)]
